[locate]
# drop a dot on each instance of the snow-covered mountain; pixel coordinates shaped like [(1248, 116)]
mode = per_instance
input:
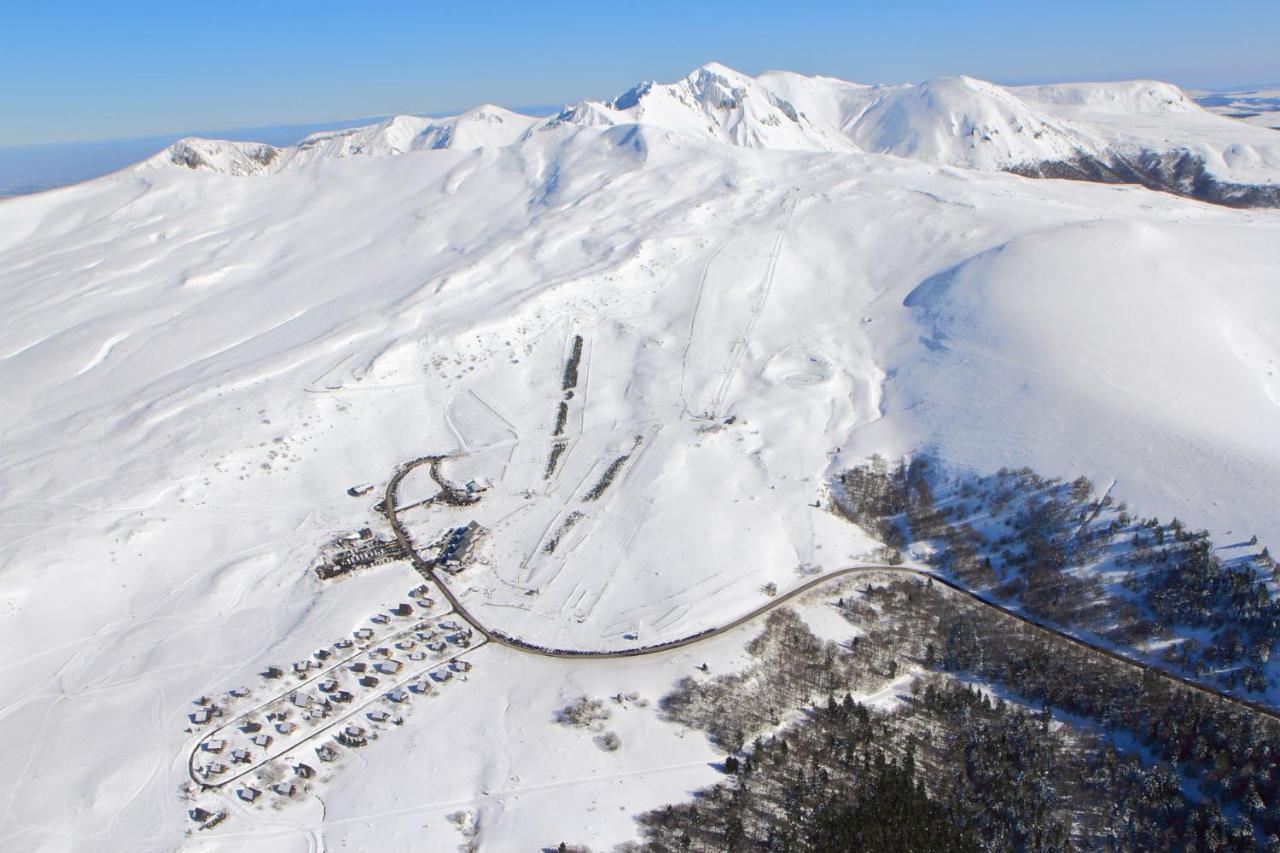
[(772, 278), (485, 126), (1131, 132)]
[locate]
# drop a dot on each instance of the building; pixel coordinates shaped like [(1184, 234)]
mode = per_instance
[(284, 789), (199, 815), (378, 716), (301, 700), (398, 696), (441, 675), (460, 666), (368, 681), (248, 793), (328, 685), (380, 618), (406, 644), (389, 667), (360, 490), (214, 745), (326, 753), (214, 768), (285, 727), (304, 771), (263, 740), (240, 756), (417, 655), (342, 696), (239, 692), (200, 716), (363, 633)]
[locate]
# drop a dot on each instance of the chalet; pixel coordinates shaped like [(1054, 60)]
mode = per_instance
[(342, 696), (285, 727), (344, 643), (240, 756), (441, 675), (284, 789), (406, 644), (328, 685), (200, 716), (239, 692), (214, 768), (322, 654), (380, 618), (353, 736), (437, 646), (461, 639), (388, 667), (424, 636), (398, 696), (304, 771), (378, 716), (450, 625), (368, 681), (250, 727), (417, 655), (477, 486), (214, 745), (302, 667), (248, 793), (324, 752), (301, 700), (404, 608), (273, 672), (199, 815), (420, 591), (263, 740), (360, 490), (363, 633), (420, 687), (381, 653), (460, 666)]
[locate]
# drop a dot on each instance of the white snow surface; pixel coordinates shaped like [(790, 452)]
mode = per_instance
[(196, 364)]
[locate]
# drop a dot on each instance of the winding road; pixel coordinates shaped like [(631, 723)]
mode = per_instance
[(427, 570)]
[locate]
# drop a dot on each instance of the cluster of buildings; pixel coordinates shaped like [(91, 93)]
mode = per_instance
[(347, 675), (352, 551)]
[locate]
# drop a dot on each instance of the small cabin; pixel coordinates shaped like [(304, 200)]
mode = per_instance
[(284, 789), (460, 666), (417, 655), (378, 716), (369, 681), (215, 768), (441, 675), (379, 619), (304, 771), (301, 700), (389, 667), (248, 793), (200, 716), (363, 633), (263, 740), (398, 696), (326, 753), (239, 756), (214, 745), (285, 727), (199, 815), (328, 685)]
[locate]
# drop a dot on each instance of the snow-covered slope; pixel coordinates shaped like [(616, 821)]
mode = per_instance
[(195, 367)]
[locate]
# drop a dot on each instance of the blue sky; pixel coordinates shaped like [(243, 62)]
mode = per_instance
[(111, 70)]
